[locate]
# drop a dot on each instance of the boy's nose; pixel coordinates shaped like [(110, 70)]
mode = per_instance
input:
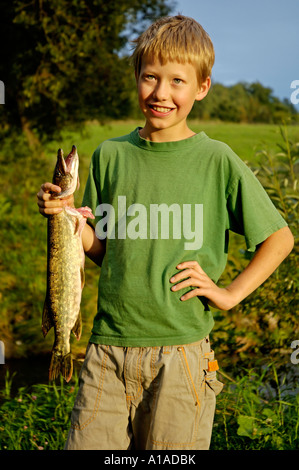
[(161, 92)]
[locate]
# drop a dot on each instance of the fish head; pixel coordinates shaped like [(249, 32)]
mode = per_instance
[(66, 173)]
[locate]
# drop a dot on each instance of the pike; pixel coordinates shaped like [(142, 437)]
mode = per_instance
[(65, 268)]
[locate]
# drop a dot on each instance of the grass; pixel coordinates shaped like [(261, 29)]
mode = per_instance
[(249, 414), (244, 139), (36, 418), (257, 411)]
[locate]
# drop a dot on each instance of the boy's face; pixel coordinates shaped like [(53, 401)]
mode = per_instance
[(166, 95)]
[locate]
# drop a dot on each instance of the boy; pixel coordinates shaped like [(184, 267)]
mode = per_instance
[(164, 199)]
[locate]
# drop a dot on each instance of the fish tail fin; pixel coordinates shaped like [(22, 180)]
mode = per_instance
[(61, 364)]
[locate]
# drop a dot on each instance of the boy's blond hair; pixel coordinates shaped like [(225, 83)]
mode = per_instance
[(178, 38)]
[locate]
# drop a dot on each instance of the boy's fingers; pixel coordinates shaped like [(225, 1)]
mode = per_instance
[(183, 274), (44, 192), (190, 264), (188, 268), (42, 196), (47, 208), (193, 293), (51, 211), (47, 187), (191, 282), (50, 203), (186, 263)]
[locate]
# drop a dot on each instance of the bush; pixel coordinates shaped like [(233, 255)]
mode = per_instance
[(257, 411), (263, 326)]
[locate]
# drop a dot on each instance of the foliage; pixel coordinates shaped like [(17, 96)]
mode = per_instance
[(264, 324), (63, 62), (279, 174), (243, 102), (257, 411), (252, 413), (37, 418), (67, 62)]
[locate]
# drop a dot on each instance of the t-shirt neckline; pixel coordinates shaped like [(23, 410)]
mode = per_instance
[(165, 146)]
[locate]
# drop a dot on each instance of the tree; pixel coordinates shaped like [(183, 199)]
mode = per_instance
[(63, 62), (244, 102)]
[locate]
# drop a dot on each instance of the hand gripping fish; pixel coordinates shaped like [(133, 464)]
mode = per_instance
[(65, 268)]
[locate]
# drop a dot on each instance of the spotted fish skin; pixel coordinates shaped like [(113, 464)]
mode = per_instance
[(65, 269)]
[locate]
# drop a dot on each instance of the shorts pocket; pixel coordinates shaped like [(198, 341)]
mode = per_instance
[(213, 383), (91, 381), (188, 375), (210, 371), (177, 408)]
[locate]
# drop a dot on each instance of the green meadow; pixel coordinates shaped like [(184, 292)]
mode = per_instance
[(259, 406), (244, 139)]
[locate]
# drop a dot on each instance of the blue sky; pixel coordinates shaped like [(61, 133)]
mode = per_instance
[(254, 40)]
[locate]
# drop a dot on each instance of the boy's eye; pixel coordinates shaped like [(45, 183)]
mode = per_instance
[(177, 81), (150, 77)]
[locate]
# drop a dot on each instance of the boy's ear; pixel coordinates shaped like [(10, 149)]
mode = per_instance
[(203, 89)]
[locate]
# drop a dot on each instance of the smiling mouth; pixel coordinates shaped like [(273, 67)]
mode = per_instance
[(161, 109)]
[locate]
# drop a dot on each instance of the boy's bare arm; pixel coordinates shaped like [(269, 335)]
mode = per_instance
[(93, 247), (267, 258)]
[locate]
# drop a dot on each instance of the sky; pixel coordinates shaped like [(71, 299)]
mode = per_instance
[(254, 40)]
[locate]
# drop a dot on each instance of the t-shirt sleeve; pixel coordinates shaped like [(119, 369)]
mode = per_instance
[(250, 210), (91, 197)]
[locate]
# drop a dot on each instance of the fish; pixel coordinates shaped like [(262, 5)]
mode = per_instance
[(65, 268)]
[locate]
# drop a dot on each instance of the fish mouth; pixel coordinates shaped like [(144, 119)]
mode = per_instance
[(70, 159), (66, 173), (67, 165)]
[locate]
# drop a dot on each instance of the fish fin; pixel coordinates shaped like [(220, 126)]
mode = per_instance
[(55, 366), (77, 225), (61, 364), (77, 329), (47, 321), (67, 367), (82, 276)]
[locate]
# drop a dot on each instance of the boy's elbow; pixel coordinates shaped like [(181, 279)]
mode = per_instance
[(291, 241), (288, 241), (280, 242)]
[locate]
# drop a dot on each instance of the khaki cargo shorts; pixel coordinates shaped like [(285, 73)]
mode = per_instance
[(145, 398)]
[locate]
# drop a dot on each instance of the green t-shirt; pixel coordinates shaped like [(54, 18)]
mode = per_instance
[(158, 204)]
